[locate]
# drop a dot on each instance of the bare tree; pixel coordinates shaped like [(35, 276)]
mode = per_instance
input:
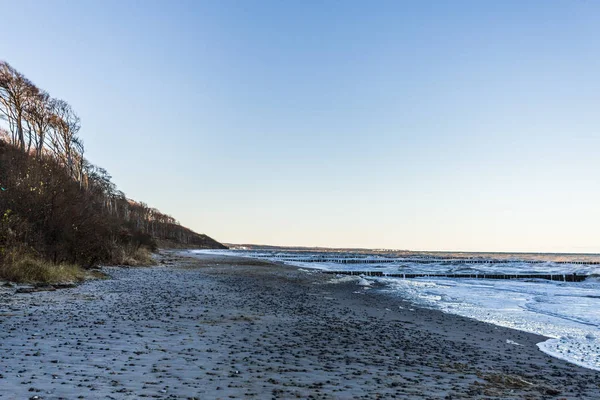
[(78, 160), (15, 93), (65, 125), (38, 119)]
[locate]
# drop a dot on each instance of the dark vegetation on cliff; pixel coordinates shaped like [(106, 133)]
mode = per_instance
[(56, 208)]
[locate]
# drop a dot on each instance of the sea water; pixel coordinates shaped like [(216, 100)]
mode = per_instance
[(566, 312)]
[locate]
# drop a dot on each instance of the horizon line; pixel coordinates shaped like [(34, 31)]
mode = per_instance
[(411, 251)]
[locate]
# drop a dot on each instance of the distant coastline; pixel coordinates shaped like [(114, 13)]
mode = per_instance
[(557, 256)]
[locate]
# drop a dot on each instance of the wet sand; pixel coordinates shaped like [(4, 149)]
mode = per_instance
[(222, 327)]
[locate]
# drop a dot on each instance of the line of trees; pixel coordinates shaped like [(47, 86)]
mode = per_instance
[(56, 203)]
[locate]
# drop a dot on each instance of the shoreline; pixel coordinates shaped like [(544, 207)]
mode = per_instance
[(537, 305), (226, 327)]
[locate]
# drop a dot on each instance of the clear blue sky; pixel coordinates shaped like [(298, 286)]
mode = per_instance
[(448, 125)]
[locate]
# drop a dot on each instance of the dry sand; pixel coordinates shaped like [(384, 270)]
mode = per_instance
[(222, 327)]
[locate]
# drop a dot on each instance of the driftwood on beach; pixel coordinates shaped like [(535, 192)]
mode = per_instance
[(551, 277)]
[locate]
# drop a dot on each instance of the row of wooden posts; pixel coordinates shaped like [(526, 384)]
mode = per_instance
[(342, 260), (552, 277)]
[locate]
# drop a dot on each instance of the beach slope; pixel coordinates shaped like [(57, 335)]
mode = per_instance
[(224, 327)]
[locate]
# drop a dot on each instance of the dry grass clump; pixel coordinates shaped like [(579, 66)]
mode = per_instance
[(134, 257), (24, 268), (141, 256)]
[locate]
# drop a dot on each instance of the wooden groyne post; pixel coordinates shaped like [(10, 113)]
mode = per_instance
[(346, 260), (551, 277)]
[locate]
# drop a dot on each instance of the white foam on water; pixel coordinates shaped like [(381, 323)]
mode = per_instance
[(359, 280), (343, 279), (574, 350), (364, 282), (568, 313)]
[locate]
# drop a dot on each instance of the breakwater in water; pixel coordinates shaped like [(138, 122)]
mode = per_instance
[(553, 277), (343, 260)]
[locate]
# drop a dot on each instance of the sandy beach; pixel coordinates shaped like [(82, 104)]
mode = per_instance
[(221, 327)]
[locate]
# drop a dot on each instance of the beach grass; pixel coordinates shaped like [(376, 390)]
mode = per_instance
[(24, 268), (134, 257)]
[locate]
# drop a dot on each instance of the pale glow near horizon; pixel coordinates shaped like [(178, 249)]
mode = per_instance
[(455, 126)]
